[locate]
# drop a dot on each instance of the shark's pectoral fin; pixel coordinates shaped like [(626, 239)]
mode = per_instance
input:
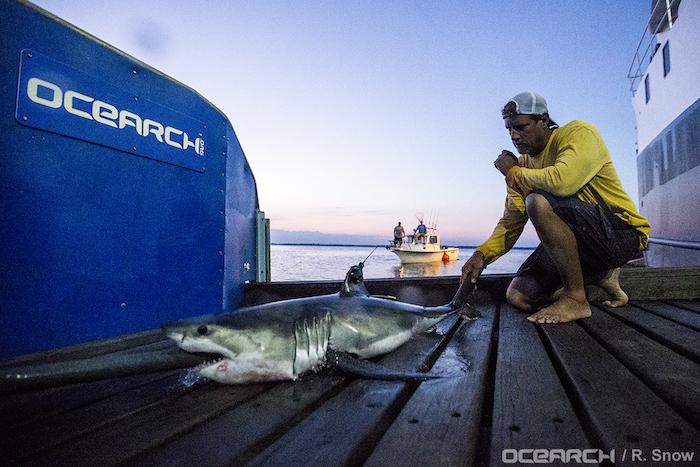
[(368, 369)]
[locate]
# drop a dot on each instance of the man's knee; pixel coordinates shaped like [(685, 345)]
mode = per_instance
[(517, 299), (536, 205)]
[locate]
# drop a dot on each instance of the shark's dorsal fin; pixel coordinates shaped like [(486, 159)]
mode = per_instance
[(354, 282)]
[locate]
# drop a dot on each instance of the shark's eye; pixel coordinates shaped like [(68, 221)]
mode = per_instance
[(202, 330)]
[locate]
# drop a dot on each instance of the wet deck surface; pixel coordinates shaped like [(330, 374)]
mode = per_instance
[(625, 379)]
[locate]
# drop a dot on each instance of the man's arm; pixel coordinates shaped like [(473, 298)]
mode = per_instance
[(574, 158), (473, 267), (505, 161), (508, 229)]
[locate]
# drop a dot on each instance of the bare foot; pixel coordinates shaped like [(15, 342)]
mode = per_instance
[(556, 295), (611, 284), (563, 310)]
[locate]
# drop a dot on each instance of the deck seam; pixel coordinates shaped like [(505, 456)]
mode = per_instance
[(374, 436), (482, 456), (248, 455), (669, 318), (593, 432), (651, 334), (638, 374)]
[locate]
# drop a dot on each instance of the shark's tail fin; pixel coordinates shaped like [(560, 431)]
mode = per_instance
[(460, 303)]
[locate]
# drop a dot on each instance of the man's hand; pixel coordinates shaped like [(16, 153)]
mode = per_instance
[(473, 267), (505, 161)]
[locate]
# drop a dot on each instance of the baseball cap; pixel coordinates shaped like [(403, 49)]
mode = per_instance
[(530, 103)]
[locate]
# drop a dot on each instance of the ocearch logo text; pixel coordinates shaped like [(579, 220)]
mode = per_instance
[(546, 456), (50, 95)]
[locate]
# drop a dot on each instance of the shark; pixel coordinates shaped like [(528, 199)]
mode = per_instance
[(284, 339)]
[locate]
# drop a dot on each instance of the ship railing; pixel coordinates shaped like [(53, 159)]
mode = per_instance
[(676, 243), (664, 13)]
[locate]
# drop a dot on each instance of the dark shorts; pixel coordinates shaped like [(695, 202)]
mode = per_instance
[(604, 240)]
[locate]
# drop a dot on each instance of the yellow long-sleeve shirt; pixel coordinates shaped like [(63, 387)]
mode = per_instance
[(574, 162)]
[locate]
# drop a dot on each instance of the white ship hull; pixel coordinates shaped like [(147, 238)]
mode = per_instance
[(667, 110)]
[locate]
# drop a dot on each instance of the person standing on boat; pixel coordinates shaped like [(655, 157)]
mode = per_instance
[(398, 235), (566, 184), (420, 232)]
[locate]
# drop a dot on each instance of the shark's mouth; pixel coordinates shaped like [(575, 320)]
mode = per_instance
[(192, 376)]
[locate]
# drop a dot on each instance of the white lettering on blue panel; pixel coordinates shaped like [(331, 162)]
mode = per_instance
[(55, 97)]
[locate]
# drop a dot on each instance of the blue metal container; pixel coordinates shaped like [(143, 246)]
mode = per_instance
[(125, 197)]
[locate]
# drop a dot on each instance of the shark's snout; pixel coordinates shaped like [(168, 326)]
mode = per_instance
[(175, 331), (169, 326)]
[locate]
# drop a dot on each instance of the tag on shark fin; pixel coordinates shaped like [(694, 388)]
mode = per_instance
[(368, 369)]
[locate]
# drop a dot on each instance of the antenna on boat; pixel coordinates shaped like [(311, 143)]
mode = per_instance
[(432, 219)]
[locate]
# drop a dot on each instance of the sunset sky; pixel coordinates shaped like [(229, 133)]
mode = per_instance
[(357, 114)]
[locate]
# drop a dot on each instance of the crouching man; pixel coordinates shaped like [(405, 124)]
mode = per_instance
[(566, 184)]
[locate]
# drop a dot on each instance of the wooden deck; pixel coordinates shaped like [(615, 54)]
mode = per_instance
[(625, 379)]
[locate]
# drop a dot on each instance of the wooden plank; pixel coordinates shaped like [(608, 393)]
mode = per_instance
[(681, 339), (32, 407), (531, 409), (671, 312), (87, 349), (39, 435), (108, 360), (640, 283), (418, 290), (237, 435), (655, 284), (344, 430), (119, 428), (621, 412), (440, 423), (672, 377), (93, 369), (693, 305), (336, 432)]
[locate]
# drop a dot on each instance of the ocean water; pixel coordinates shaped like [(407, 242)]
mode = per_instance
[(324, 262)]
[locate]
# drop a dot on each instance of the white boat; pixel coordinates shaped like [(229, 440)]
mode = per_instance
[(424, 249), (665, 77)]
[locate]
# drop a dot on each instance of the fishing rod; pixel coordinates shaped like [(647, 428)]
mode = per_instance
[(370, 254)]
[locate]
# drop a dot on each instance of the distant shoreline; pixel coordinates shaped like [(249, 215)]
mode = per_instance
[(369, 246)]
